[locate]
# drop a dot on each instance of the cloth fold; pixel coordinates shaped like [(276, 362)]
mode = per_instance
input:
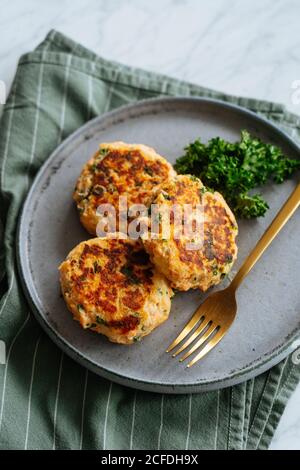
[(47, 401)]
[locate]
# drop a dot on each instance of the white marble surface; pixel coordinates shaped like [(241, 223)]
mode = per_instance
[(249, 47)]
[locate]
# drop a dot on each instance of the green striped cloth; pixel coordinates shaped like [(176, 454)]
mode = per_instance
[(47, 401)]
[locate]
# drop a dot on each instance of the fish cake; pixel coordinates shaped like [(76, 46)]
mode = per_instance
[(118, 169), (112, 288), (206, 266)]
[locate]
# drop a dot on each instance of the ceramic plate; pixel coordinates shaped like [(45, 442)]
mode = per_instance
[(268, 320)]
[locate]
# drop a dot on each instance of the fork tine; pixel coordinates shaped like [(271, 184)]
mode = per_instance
[(196, 333), (199, 343), (218, 336), (188, 327)]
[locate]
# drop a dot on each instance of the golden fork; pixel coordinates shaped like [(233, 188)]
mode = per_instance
[(214, 317)]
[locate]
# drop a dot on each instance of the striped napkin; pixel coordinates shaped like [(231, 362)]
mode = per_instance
[(47, 401)]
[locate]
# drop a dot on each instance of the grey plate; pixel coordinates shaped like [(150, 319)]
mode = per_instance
[(268, 321)]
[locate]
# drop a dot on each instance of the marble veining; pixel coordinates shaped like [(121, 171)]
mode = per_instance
[(249, 48)]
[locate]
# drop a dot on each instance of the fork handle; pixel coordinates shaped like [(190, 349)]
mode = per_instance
[(274, 228)]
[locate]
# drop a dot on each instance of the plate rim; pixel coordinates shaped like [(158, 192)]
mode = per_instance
[(249, 371)]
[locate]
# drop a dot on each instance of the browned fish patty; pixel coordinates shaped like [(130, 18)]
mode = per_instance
[(204, 267), (118, 169), (111, 287)]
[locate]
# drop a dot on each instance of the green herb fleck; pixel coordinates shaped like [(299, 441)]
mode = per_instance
[(194, 178), (148, 170), (215, 271), (97, 268), (100, 321), (128, 272), (98, 190), (229, 259), (158, 217)]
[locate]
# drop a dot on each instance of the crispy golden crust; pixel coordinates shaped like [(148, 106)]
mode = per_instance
[(118, 169), (204, 267), (112, 288)]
